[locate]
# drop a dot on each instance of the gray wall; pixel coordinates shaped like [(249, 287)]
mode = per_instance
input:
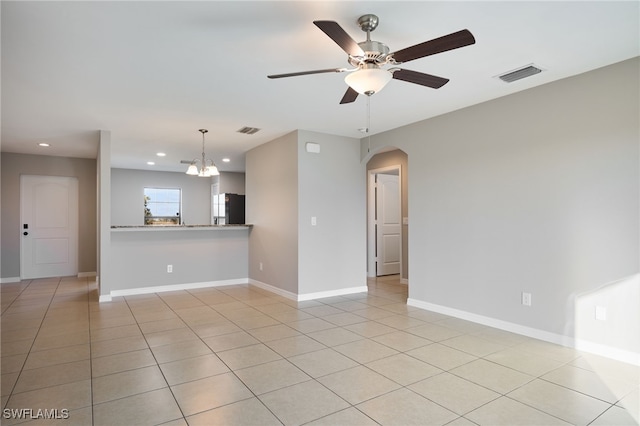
[(103, 165), (332, 188), (127, 195), (272, 209), (286, 186), (392, 158), (232, 182), (14, 165), (537, 192), (139, 258)]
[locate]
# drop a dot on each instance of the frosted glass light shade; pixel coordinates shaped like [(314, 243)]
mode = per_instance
[(192, 170), (368, 81), (211, 171)]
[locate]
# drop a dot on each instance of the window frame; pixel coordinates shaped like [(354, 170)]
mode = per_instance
[(162, 220)]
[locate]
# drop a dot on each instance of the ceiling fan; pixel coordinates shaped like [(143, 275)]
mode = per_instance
[(369, 57)]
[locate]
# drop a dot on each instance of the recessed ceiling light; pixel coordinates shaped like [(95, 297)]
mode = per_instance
[(150, 163), (44, 144), (161, 154), (226, 160)]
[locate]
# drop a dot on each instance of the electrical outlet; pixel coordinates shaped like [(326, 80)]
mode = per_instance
[(169, 269), (601, 313), (314, 221), (526, 299), (261, 266)]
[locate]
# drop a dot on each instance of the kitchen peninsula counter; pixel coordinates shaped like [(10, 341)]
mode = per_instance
[(157, 258), (128, 228)]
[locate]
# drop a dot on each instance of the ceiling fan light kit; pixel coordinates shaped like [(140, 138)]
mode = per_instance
[(368, 81), (370, 57)]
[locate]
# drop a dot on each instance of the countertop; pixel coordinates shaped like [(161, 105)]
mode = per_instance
[(146, 228)]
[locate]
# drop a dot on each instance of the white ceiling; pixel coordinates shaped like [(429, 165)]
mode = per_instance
[(153, 73)]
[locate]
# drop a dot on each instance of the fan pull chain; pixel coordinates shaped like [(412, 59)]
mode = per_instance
[(369, 123)]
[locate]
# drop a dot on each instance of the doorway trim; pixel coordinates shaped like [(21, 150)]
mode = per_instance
[(371, 212)]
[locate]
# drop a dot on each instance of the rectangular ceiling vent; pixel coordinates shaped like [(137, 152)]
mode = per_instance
[(520, 73), (249, 130)]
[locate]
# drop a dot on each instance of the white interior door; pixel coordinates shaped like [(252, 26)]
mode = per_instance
[(49, 220), (388, 224)]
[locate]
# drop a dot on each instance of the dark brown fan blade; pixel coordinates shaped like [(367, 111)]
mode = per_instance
[(437, 45), (420, 78), (294, 74), (340, 36), (349, 96)]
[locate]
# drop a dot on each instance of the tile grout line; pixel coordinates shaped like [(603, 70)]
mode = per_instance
[(154, 357), (231, 370), (311, 378), (11, 394), (93, 418), (200, 339), (53, 309)]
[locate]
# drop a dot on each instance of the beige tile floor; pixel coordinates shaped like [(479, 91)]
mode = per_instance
[(240, 355)]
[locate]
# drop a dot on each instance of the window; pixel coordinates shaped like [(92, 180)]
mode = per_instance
[(162, 206)]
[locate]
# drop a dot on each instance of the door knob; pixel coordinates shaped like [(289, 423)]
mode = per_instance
[(25, 233)]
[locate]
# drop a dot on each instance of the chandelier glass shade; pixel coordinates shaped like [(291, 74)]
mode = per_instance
[(368, 81), (207, 166)]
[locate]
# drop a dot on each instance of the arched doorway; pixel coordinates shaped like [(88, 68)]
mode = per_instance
[(382, 168)]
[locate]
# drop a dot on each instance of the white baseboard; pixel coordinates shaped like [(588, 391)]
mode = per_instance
[(104, 298), (559, 339), (492, 322), (332, 293), (170, 287), (17, 279), (272, 289), (307, 296), (608, 352)]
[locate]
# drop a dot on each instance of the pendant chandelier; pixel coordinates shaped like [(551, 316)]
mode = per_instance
[(207, 166)]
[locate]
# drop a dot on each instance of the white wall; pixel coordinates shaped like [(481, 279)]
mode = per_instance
[(331, 188), (286, 186), (535, 192), (616, 304), (272, 209), (127, 195)]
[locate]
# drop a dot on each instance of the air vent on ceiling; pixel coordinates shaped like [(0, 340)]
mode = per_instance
[(248, 130), (520, 73)]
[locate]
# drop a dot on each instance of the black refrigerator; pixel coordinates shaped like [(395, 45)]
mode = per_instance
[(228, 209)]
